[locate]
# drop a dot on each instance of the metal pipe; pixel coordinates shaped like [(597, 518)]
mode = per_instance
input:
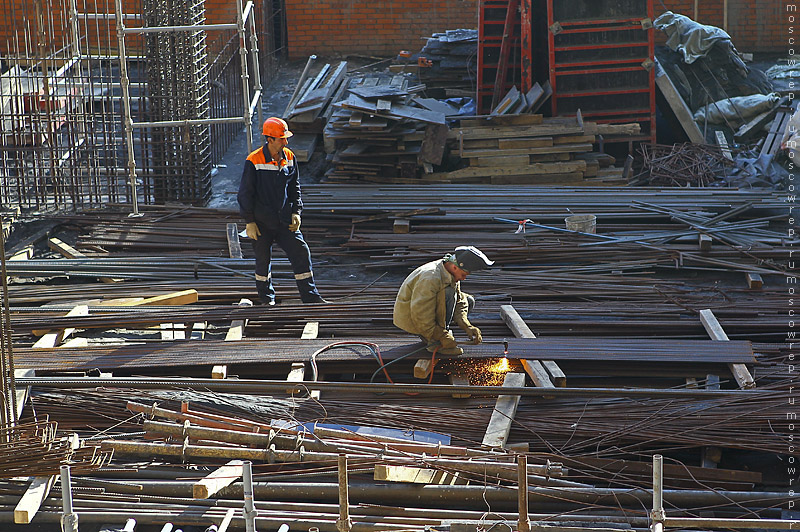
[(69, 519), (189, 122), (127, 119), (523, 523), (253, 386), (343, 523), (715, 522), (300, 81), (242, 33), (657, 515), (175, 29), (249, 508)]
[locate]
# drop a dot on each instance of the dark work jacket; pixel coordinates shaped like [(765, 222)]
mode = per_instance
[(270, 190)]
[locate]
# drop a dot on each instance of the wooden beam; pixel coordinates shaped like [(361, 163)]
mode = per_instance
[(32, 499), (754, 281), (218, 479), (423, 368), (236, 330), (678, 106), (459, 380), (50, 339), (717, 333), (704, 242), (234, 246), (21, 394), (722, 142), (184, 297), (310, 332), (521, 330), (219, 372), (413, 475), (401, 226), (503, 415)]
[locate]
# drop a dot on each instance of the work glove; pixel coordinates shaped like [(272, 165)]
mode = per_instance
[(295, 225), (474, 334), (252, 231)]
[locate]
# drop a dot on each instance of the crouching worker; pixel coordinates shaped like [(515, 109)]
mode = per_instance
[(430, 299)]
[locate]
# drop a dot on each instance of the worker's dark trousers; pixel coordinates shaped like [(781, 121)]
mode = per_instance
[(299, 255), (450, 304)]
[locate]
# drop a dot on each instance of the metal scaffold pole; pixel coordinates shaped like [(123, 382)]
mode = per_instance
[(127, 120)]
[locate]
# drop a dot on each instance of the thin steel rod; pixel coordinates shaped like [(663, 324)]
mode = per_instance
[(260, 386)]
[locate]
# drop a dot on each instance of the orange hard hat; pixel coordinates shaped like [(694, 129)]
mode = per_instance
[(276, 127)]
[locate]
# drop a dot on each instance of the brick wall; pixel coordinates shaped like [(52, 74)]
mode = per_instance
[(754, 25), (372, 27), (383, 27)]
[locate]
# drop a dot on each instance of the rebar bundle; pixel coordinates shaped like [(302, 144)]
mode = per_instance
[(178, 89), (687, 164), (34, 449)]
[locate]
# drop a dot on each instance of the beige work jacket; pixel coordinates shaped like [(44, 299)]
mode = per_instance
[(420, 304)]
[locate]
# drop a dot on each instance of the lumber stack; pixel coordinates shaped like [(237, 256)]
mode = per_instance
[(307, 111), (530, 149), (382, 132), (444, 63)]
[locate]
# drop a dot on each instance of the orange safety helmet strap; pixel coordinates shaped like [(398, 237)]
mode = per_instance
[(276, 127)]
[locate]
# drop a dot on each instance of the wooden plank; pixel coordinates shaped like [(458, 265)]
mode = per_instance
[(296, 374), (413, 475), (704, 242), (513, 144), (21, 394), (198, 331), (540, 130), (310, 332), (530, 169), (216, 480), (537, 373), (532, 96), (219, 371), (717, 333), (51, 338), (423, 368), (506, 151), (401, 226), (433, 144), (236, 330), (678, 106), (755, 125), (234, 246), (503, 415), (183, 297), (722, 142), (501, 120), (32, 499), (173, 331), (521, 330)]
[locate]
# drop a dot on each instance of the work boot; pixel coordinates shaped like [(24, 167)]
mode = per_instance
[(314, 298), (266, 293)]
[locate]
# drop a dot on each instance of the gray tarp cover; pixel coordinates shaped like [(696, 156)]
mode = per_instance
[(693, 40)]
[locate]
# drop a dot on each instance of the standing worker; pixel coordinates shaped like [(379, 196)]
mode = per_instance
[(269, 201), (431, 298)]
